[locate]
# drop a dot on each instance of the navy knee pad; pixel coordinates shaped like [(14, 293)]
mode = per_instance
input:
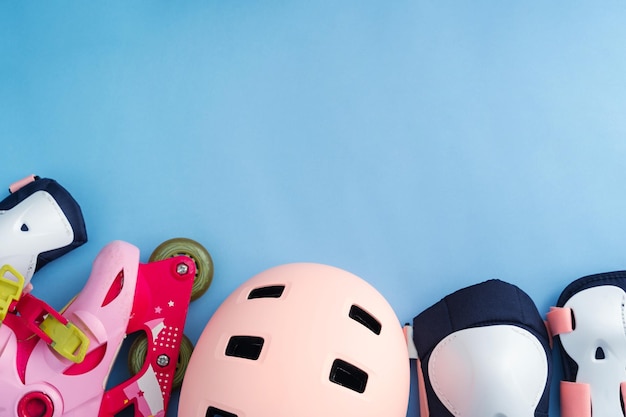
[(483, 351)]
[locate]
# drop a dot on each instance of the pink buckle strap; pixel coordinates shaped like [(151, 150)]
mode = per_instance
[(423, 399), (20, 183), (559, 320), (576, 399)]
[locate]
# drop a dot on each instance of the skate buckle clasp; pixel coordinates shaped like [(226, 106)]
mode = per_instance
[(54, 329), (10, 289), (67, 339)]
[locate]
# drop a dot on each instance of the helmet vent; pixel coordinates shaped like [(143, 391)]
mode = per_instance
[(247, 347), (272, 291), (348, 375), (366, 319), (24, 228), (216, 412)]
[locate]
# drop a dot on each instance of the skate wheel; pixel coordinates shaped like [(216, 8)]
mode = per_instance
[(138, 352), (194, 250)]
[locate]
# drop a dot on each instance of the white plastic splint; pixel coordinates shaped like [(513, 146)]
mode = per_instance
[(35, 225), (469, 365), (596, 341)]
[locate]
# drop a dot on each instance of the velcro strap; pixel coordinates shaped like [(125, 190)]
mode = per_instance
[(560, 320), (21, 183), (575, 399)]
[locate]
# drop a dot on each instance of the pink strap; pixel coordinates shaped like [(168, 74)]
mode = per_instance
[(559, 320), (424, 412), (20, 183), (575, 399), (408, 337)]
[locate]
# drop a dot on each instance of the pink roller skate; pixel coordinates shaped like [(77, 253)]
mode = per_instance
[(58, 364)]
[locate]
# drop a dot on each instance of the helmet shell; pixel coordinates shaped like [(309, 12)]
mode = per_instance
[(300, 339)]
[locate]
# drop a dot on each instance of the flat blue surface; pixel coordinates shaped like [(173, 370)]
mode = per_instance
[(422, 145)]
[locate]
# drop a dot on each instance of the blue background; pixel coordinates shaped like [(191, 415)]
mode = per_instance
[(422, 145)]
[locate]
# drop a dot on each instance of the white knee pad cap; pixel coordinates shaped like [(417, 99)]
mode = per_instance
[(469, 366)]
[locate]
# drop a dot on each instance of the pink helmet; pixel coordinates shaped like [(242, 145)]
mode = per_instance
[(299, 340)]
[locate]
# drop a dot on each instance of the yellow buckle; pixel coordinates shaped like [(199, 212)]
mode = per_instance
[(67, 339), (10, 290)]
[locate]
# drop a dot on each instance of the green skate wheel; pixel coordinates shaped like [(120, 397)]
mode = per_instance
[(139, 349), (194, 250)]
